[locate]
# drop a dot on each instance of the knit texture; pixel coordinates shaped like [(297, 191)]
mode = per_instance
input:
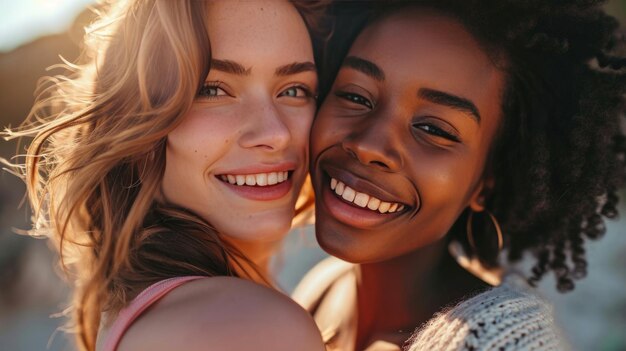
[(508, 317)]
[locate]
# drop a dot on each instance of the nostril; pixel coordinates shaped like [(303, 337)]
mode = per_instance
[(351, 152), (379, 164)]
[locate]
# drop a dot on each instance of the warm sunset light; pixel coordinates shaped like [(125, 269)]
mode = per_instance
[(312, 175), (25, 20)]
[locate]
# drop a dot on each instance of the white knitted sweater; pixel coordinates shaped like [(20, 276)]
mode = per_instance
[(508, 317)]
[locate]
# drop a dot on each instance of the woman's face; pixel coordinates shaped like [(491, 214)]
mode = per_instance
[(240, 156), (400, 143)]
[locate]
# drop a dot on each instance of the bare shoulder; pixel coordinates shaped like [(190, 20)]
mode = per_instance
[(319, 280), (223, 313)]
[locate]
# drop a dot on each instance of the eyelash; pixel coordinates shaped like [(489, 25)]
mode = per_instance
[(354, 98), (307, 92), (436, 131), (207, 86), (428, 128)]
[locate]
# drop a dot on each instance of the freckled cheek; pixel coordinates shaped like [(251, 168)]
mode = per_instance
[(299, 125), (201, 138)]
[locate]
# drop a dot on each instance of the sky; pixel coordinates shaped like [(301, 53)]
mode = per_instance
[(22, 21)]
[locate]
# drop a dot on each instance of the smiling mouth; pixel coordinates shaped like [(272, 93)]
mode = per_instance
[(363, 200), (257, 180)]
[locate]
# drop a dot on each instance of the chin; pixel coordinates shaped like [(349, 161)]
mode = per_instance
[(338, 245), (263, 230)]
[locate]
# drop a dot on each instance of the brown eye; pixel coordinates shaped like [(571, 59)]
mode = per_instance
[(355, 98), (436, 131)]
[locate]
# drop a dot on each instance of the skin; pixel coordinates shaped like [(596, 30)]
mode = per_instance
[(223, 313), (247, 124), (410, 119), (253, 116)]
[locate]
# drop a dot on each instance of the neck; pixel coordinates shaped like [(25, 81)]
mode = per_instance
[(255, 265), (398, 295)]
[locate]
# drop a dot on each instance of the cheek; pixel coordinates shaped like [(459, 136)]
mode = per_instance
[(443, 179), (326, 130), (201, 138), (299, 121)]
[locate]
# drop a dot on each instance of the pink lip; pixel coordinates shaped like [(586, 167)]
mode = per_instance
[(261, 168)]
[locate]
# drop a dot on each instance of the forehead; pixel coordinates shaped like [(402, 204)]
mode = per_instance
[(252, 32), (421, 47)]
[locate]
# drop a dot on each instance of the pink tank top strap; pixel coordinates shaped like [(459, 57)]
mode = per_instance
[(145, 299)]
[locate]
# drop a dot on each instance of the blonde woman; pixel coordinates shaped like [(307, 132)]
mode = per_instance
[(175, 152)]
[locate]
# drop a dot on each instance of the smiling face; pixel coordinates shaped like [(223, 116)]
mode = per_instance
[(400, 143), (240, 156)]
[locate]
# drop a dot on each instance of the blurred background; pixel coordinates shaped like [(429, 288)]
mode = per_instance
[(34, 34)]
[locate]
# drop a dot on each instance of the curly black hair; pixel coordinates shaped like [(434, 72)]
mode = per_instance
[(558, 160)]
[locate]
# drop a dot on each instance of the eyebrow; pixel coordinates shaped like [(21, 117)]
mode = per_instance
[(295, 68), (233, 67), (364, 66), (452, 101), (229, 66)]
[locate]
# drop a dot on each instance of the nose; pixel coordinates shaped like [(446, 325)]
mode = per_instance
[(266, 128), (373, 143)]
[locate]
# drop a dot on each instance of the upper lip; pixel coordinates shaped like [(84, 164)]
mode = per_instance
[(261, 168), (363, 185)]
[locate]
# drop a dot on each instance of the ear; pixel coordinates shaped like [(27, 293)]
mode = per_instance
[(480, 194)]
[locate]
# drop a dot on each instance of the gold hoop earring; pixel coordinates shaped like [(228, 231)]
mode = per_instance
[(471, 263), (470, 233)]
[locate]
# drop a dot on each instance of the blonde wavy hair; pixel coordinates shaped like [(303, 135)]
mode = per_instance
[(95, 163)]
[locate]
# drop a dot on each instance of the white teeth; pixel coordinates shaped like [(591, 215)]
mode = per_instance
[(373, 204), (348, 194), (260, 179), (384, 207), (339, 189), (250, 180), (363, 200), (241, 180), (272, 178), (393, 207)]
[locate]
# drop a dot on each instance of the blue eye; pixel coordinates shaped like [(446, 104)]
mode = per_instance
[(211, 90), (355, 98), (296, 91)]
